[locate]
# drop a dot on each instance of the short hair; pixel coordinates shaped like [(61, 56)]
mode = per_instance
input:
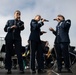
[(17, 11), (37, 15), (61, 16)]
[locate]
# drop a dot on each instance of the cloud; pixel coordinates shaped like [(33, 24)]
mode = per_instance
[(9, 6), (48, 9)]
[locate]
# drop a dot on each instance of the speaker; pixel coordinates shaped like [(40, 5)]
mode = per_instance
[(73, 68)]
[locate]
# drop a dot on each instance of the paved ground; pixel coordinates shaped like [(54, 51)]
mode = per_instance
[(27, 72)]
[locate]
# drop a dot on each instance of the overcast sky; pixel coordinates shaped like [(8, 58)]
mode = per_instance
[(48, 9)]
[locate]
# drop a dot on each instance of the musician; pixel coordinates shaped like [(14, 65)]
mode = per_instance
[(62, 41), (13, 28), (35, 44)]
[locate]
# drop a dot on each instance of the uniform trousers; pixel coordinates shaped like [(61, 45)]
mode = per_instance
[(61, 50), (9, 50), (36, 53)]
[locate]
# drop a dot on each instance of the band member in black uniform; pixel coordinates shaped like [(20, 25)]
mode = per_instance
[(62, 41), (35, 44), (13, 28)]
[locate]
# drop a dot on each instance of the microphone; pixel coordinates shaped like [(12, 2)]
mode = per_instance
[(56, 19), (45, 20)]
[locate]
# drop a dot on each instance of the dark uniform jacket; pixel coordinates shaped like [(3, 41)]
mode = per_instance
[(35, 30), (13, 33), (62, 32)]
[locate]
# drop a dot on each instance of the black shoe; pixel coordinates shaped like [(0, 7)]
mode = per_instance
[(69, 71), (9, 72), (33, 71), (22, 72), (41, 71)]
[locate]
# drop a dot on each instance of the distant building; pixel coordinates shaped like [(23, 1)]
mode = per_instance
[(2, 41)]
